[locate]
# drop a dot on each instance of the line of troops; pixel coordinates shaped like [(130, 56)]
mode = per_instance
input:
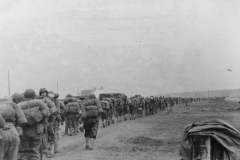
[(33, 141)]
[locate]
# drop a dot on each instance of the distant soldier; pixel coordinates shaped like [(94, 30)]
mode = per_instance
[(114, 108), (125, 108), (152, 105), (119, 108), (161, 101), (186, 101), (91, 113), (135, 107), (156, 104), (72, 110), (168, 104), (131, 108), (105, 115), (147, 105)]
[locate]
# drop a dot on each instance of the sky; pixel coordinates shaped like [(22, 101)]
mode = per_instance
[(144, 47)]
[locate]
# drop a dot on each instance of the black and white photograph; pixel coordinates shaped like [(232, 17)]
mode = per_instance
[(120, 80)]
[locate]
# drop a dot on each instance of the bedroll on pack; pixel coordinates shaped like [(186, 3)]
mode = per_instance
[(92, 111), (50, 105), (91, 108), (114, 102), (94, 102), (105, 104), (72, 107), (11, 112), (2, 122), (34, 110), (89, 111), (19, 115), (7, 112)]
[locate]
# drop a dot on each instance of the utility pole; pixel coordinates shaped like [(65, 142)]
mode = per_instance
[(8, 85)]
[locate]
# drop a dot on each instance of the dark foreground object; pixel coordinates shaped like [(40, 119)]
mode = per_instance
[(225, 140)]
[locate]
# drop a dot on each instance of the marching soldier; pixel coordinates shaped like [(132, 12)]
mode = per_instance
[(91, 113), (72, 110), (31, 139), (53, 123), (10, 116), (119, 108)]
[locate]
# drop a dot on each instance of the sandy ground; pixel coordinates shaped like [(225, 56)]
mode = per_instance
[(154, 137)]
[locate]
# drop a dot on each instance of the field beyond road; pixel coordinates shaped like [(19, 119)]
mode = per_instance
[(155, 137)]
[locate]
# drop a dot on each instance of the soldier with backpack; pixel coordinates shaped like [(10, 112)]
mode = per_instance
[(90, 116), (152, 105), (113, 109), (53, 122), (72, 110), (119, 108), (106, 111), (11, 116), (131, 108), (147, 105), (35, 111)]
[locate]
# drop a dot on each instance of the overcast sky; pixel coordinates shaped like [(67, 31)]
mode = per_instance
[(142, 47)]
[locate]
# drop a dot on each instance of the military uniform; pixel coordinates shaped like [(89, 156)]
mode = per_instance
[(91, 127), (9, 136), (91, 120), (131, 108), (31, 139), (119, 108), (51, 124)]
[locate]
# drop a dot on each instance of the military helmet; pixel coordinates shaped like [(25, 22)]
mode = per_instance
[(42, 90), (29, 93), (16, 98), (68, 96)]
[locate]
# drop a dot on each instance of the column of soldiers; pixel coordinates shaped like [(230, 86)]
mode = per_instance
[(37, 118)]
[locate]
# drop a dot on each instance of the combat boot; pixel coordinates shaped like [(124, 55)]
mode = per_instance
[(75, 130), (71, 131)]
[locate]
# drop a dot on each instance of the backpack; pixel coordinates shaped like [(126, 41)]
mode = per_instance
[(33, 115), (73, 109), (7, 112)]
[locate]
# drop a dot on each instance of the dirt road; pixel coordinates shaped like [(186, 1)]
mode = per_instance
[(154, 137)]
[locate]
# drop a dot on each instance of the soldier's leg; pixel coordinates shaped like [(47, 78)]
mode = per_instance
[(56, 147), (24, 145), (54, 142), (75, 126), (13, 147), (70, 125), (125, 113), (168, 108), (120, 115), (93, 135), (66, 125), (35, 144), (103, 117), (3, 144)]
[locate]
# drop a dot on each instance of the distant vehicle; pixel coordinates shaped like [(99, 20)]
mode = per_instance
[(114, 94), (85, 97)]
